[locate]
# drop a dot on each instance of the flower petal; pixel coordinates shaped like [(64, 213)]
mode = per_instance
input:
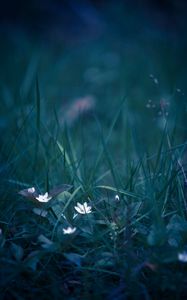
[(78, 210), (80, 205)]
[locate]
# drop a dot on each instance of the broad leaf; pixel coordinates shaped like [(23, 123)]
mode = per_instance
[(17, 251), (74, 258)]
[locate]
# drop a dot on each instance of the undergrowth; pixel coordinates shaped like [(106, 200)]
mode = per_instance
[(129, 244)]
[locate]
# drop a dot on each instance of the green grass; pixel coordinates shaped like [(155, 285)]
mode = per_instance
[(126, 248)]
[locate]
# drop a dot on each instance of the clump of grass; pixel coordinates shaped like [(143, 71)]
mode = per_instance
[(112, 230)]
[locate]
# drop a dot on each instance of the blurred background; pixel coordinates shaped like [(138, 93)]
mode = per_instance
[(89, 56)]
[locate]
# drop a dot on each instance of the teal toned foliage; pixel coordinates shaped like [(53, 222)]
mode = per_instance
[(93, 168)]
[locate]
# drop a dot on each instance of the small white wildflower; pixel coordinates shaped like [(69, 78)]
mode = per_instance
[(69, 230), (117, 198), (31, 190), (83, 208), (44, 198), (182, 256)]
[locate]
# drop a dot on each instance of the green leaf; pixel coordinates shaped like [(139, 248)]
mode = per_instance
[(32, 260), (59, 189), (107, 260), (40, 212), (17, 251), (177, 224), (157, 236), (176, 230), (28, 194), (57, 210), (64, 196), (45, 242), (133, 209), (74, 258)]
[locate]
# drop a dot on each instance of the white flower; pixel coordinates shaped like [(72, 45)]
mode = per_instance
[(44, 198), (182, 256), (69, 230), (31, 190), (117, 198), (83, 208)]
